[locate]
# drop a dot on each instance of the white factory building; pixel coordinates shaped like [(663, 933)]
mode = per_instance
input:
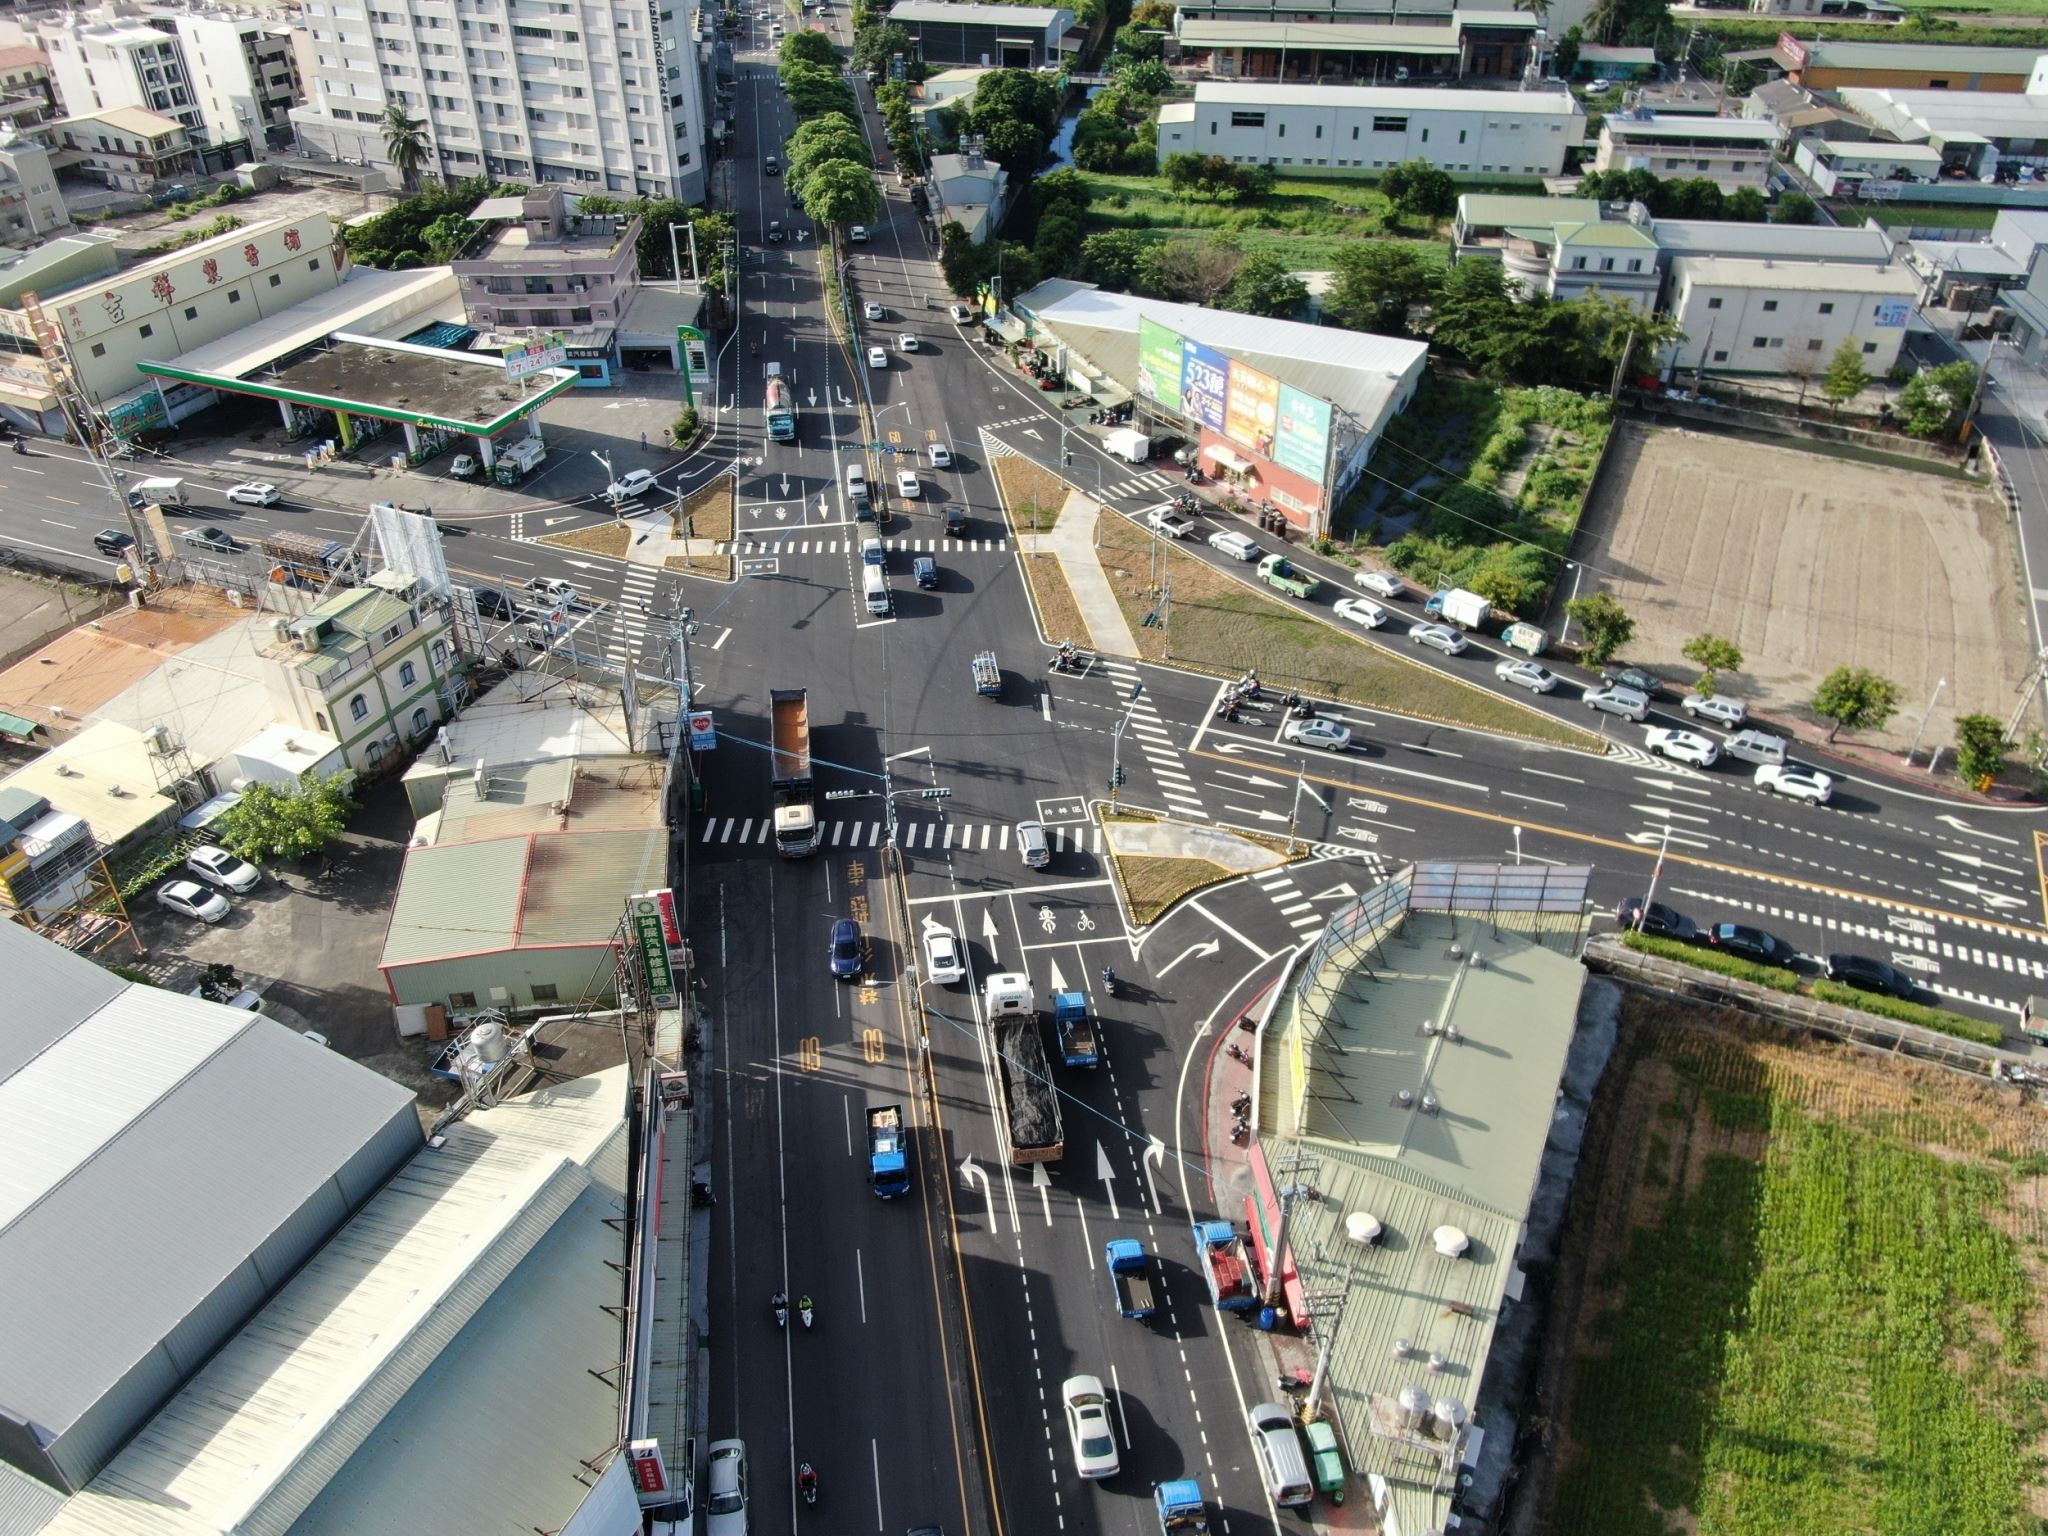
[(1367, 129), (1764, 317)]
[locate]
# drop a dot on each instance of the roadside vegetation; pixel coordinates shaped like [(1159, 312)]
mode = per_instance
[(1801, 1293)]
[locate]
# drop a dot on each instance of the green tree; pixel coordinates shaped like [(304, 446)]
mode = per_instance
[(1934, 400), (841, 192), (1607, 625), (1796, 208), (1018, 148), (1610, 328), (831, 137), (1069, 188), (270, 822), (1056, 243), (1981, 750), (1112, 258), (1746, 205), (808, 47), (1144, 77), (1375, 284), (1264, 286), (1016, 113), (405, 144), (1568, 48), (1134, 42), (447, 235), (1713, 655), (1855, 699), (875, 47), (1193, 271), (1846, 377), (1420, 190), (813, 92)]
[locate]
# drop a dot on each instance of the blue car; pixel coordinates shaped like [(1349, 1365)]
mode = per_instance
[(846, 949)]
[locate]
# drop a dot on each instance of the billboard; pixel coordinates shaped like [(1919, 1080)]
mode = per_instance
[(1159, 364), (1893, 313), (1204, 381), (1251, 414), (1302, 443)]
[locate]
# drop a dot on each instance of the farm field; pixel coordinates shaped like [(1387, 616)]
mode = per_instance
[(1800, 1291)]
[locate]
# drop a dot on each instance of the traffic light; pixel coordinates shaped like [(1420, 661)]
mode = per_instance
[(1067, 459), (1116, 777)]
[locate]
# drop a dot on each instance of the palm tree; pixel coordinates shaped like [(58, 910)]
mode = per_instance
[(1540, 9), (405, 143)]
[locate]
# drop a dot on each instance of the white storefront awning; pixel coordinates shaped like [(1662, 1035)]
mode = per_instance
[(1219, 454)]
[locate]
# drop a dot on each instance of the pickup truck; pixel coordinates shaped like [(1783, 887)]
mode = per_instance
[(1078, 1043), (888, 1159), (1130, 1276), (1181, 1509), (988, 676), (1225, 1266), (1169, 521), (1280, 572)]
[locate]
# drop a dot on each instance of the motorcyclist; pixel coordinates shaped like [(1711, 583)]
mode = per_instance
[(807, 1482), (779, 1305), (1108, 979)]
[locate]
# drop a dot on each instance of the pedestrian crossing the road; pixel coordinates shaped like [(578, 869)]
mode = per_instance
[(629, 620), (1148, 733), (792, 546), (978, 836)]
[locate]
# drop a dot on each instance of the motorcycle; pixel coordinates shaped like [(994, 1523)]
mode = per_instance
[(1239, 1053), (779, 1303), (1185, 502), (1109, 981), (1240, 1104), (807, 1482), (804, 1311), (20, 446), (1240, 1133)]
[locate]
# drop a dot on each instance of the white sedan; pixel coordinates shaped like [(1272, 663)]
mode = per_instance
[(1439, 637), (1799, 783), (940, 455), (1360, 610), (907, 485), (1682, 746), (874, 311), (1525, 674), (1384, 583), (192, 899), (906, 342), (961, 313), (943, 960), (1327, 734), (878, 357), (1088, 1426), (254, 493), (216, 866), (632, 483)]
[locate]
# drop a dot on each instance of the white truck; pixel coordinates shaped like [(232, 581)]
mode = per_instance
[(1467, 610), (1129, 444), (517, 460)]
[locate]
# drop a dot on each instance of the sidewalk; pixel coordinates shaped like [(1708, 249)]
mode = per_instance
[(1072, 542)]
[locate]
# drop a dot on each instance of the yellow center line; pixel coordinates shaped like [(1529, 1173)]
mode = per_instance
[(1673, 856)]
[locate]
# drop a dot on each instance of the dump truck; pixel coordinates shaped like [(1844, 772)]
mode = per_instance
[(1280, 572), (1130, 1276), (1225, 1266), (1180, 1507), (305, 559), (789, 759), (1454, 605), (780, 406), (888, 1152), (1027, 1109), (1076, 1030), (1530, 639)]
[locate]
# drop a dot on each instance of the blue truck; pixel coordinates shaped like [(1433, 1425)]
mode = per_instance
[(1181, 1508), (888, 1153), (1076, 1030), (1130, 1276), (1225, 1266)]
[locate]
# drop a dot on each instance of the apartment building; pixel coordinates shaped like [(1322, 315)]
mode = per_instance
[(242, 73), (111, 58), (31, 207), (126, 148), (543, 266), (1362, 130), (369, 665), (25, 71), (1731, 152), (598, 98)]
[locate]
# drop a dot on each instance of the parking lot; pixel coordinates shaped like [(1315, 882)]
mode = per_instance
[(1808, 562)]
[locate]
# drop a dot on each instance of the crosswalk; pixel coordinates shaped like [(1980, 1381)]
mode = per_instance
[(1296, 910), (1148, 733), (979, 836), (793, 546), (629, 619), (1152, 483)]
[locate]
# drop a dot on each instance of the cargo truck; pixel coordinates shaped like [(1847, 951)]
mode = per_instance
[(1526, 638), (888, 1153), (1180, 1507), (1027, 1109), (1278, 571), (1454, 605), (789, 758), (305, 559), (1130, 1276), (1225, 1266), (1076, 1030), (780, 406)]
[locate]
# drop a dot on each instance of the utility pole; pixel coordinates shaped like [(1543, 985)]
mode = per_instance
[(1116, 746)]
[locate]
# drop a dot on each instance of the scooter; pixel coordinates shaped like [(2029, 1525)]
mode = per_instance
[(1240, 1133), (1109, 981), (780, 1304), (807, 1482), (20, 446), (1240, 1104), (1239, 1053), (804, 1310)]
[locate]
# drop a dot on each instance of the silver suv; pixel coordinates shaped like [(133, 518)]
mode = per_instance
[(1617, 700), (1033, 844)]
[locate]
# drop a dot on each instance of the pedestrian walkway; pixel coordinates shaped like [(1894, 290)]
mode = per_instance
[(629, 622), (1296, 910), (1153, 483), (1148, 733), (791, 545), (758, 831), (1072, 541)]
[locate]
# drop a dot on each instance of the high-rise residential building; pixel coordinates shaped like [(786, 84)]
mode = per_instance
[(599, 96)]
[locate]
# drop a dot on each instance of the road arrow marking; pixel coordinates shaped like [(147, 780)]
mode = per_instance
[(989, 930), (1963, 826), (584, 565), (1678, 784), (1057, 982), (1032, 432), (1997, 901), (785, 487), (1155, 1157), (974, 1176), (1252, 779), (1668, 814), (1249, 746), (1339, 892), (1656, 840), (1204, 950), (1358, 835), (1920, 963), (813, 396), (1107, 1175), (1043, 1184), (1258, 811), (1975, 862), (844, 403), (822, 509), (549, 522)]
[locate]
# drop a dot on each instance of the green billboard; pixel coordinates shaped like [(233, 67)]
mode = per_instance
[(1159, 364), (1303, 442)]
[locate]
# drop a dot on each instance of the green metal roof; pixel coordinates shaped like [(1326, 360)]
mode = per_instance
[(1488, 209), (1620, 237), (363, 610), (16, 727), (457, 899)]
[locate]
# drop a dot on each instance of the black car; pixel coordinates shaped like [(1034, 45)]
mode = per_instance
[(926, 570), (1657, 920), (863, 508), (1648, 684), (1752, 944), (1871, 975), (112, 541), (493, 604), (956, 521)]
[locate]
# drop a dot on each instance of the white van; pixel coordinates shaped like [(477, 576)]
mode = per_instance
[(856, 480), (1234, 544), (1282, 1467), (874, 584), (1756, 747)]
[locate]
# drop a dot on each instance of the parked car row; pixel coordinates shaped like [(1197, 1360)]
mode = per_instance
[(1765, 948), (207, 872)]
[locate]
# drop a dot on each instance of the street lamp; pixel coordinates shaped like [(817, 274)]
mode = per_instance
[(1116, 745), (1294, 815), (1921, 730), (888, 797)]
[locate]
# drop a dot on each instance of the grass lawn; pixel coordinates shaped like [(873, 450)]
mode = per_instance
[(1152, 884), (1032, 494), (1220, 625), (612, 538), (1056, 606), (1928, 215), (708, 515), (1810, 1296)]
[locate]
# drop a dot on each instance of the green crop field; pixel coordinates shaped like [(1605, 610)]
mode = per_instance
[(1810, 1295)]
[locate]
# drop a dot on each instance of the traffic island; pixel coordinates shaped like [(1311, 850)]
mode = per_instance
[(1158, 862), (1032, 497), (1215, 622), (702, 527), (612, 539)]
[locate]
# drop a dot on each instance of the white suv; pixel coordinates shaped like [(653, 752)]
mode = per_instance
[(725, 1509)]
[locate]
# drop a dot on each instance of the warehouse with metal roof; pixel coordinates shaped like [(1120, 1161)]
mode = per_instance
[(172, 1162)]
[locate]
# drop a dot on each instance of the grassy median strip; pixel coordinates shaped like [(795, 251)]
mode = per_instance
[(707, 514), (1056, 605), (1218, 623), (613, 539), (1032, 494), (1941, 1020)]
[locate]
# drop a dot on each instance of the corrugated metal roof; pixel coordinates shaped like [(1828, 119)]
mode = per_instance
[(63, 990), (577, 882), (364, 611), (275, 1422), (1804, 276), (1801, 242), (456, 899), (1390, 98), (27, 1504), (128, 1192), (1920, 58), (964, 12), (1682, 126), (1485, 210)]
